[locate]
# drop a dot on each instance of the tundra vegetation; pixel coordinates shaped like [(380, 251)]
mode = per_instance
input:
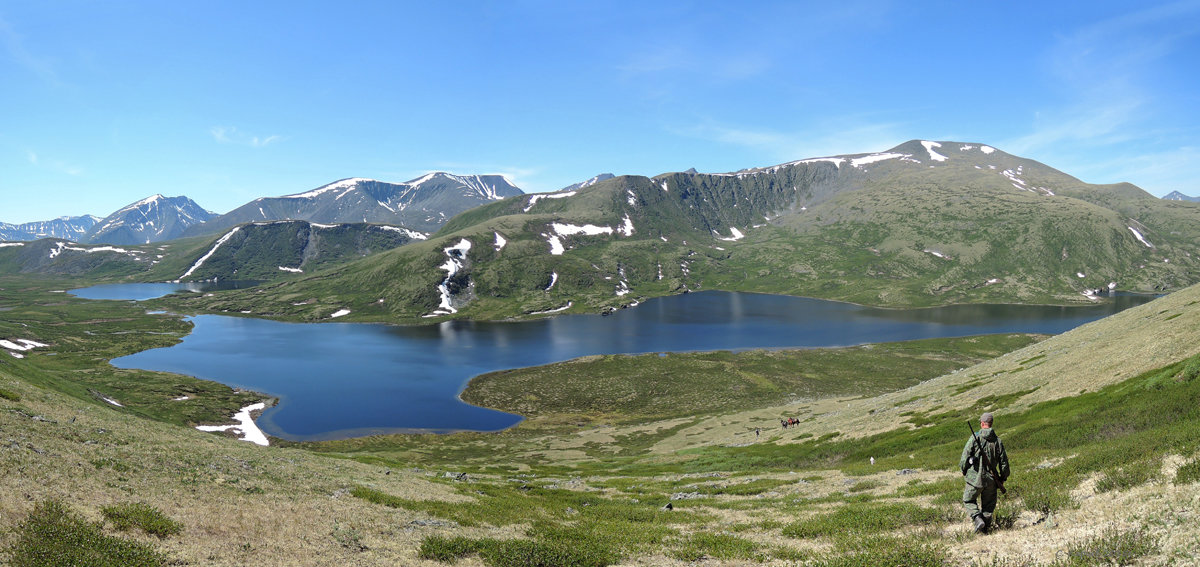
[(622, 460)]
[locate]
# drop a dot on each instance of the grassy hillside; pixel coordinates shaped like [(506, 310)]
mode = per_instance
[(892, 229), (1099, 423)]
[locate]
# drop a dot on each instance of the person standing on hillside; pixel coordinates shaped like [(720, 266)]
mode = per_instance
[(984, 464)]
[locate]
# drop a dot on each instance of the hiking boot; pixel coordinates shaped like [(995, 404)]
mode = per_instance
[(980, 524), (987, 523)]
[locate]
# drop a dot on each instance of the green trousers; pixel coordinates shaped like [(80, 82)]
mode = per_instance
[(978, 501)]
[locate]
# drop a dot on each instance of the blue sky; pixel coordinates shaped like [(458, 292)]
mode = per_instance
[(109, 102)]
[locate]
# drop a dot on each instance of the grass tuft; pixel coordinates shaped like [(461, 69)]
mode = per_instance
[(54, 535), (10, 395), (142, 516)]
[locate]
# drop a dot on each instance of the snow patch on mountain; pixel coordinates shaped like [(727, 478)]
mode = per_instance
[(292, 270), (347, 184), (626, 227), (987, 149), (873, 158), (533, 199), (932, 154), (737, 235), (500, 242), (455, 260), (553, 280), (1139, 236), (409, 233), (211, 251)]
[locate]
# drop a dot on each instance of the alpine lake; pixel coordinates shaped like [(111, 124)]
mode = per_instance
[(340, 380)]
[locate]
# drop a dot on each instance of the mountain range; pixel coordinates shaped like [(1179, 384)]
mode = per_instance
[(66, 228), (924, 223), (422, 204)]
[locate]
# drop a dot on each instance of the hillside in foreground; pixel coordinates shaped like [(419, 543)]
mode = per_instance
[(1099, 422)]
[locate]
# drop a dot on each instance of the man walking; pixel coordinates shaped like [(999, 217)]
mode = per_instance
[(984, 464)]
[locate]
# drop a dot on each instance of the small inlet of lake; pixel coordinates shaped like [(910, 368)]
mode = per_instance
[(338, 380)]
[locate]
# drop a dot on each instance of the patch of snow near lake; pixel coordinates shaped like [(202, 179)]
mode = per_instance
[(246, 427), (869, 159), (737, 235), (218, 244), (410, 233), (563, 308), (936, 253), (339, 313), (533, 199), (553, 280), (987, 149), (932, 154), (293, 270), (7, 244), (327, 225), (1138, 235), (500, 242), (1112, 286)]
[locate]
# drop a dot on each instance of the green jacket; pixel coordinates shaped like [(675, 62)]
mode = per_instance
[(997, 458)]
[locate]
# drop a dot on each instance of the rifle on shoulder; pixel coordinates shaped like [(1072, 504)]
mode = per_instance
[(984, 465)]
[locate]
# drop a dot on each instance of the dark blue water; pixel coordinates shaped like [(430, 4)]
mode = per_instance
[(343, 379)]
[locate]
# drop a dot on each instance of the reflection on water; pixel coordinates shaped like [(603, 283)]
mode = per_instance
[(344, 379)]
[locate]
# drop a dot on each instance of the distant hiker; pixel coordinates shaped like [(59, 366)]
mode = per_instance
[(784, 423), (756, 432), (872, 460), (984, 464)]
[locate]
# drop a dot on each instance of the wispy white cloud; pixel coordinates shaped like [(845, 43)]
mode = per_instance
[(1108, 77), (53, 164), (14, 47), (231, 135)]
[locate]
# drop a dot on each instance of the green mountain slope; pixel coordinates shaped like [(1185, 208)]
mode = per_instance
[(925, 223)]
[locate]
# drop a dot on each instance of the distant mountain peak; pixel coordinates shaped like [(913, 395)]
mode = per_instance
[(1177, 196), (153, 219)]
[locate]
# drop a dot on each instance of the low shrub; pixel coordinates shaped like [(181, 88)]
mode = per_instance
[(1188, 473), (720, 546), (142, 516), (54, 535), (1113, 547), (10, 395), (885, 552), (864, 519), (447, 549)]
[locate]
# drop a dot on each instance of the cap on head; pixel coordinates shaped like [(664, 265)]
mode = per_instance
[(986, 418)]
